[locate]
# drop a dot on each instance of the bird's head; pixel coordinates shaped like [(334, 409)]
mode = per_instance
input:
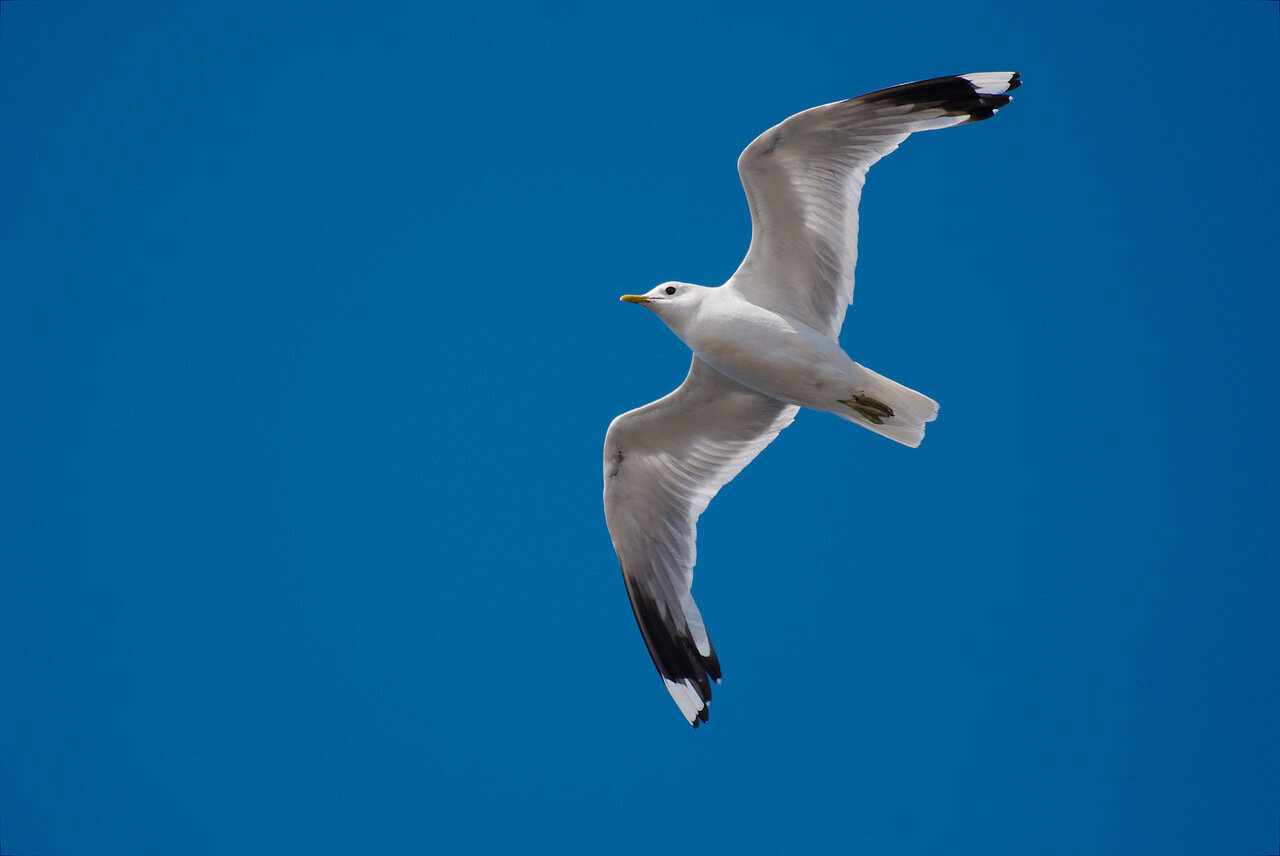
[(670, 300)]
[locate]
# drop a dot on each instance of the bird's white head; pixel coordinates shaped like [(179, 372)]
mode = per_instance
[(671, 301)]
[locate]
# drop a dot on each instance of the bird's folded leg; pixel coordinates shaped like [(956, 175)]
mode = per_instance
[(868, 408)]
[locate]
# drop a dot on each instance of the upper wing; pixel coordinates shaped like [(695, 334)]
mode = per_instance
[(662, 464), (804, 177)]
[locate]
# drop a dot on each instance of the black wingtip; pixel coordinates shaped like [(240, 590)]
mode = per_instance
[(673, 650), (958, 95), (712, 664)]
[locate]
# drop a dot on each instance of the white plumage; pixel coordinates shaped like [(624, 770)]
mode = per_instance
[(765, 344)]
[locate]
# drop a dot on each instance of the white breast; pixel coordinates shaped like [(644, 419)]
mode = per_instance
[(771, 353)]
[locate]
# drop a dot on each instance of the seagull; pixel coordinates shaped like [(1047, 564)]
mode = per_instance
[(765, 344)]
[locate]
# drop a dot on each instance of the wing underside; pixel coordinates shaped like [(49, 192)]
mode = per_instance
[(663, 463), (803, 180)]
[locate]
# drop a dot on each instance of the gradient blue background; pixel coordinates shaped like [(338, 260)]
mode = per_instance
[(310, 336)]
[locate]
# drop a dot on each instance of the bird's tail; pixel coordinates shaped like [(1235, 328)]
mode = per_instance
[(888, 408)]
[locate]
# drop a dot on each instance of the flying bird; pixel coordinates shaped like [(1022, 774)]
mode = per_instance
[(765, 344)]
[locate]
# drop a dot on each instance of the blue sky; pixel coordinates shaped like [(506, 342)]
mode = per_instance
[(308, 343)]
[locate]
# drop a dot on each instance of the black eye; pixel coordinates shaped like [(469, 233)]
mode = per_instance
[(671, 289)]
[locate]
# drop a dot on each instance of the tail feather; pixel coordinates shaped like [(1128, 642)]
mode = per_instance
[(910, 409)]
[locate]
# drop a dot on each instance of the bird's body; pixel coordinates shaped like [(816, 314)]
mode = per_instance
[(765, 344), (783, 358), (779, 356)]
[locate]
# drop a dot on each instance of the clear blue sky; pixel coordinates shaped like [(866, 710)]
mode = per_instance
[(308, 343)]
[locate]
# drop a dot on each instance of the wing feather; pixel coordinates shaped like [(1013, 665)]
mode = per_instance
[(663, 463), (803, 179)]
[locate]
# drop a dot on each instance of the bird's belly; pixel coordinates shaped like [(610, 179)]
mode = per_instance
[(780, 358)]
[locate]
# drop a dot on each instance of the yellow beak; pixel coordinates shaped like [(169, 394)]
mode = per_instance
[(633, 298)]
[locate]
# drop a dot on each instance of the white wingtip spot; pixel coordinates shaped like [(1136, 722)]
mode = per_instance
[(993, 82), (686, 698)]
